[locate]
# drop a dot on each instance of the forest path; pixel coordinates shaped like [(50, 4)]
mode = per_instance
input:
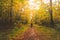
[(29, 34)]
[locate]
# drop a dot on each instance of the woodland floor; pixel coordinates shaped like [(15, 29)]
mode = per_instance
[(38, 33)]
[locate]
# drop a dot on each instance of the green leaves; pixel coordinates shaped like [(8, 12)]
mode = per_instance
[(21, 0)]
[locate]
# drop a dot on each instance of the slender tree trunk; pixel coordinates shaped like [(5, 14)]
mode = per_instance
[(11, 11), (51, 15), (41, 2), (58, 5), (1, 12)]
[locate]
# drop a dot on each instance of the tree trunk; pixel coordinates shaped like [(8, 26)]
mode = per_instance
[(51, 15), (41, 2), (58, 5), (11, 11)]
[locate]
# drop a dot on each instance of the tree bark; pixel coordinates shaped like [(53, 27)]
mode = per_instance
[(51, 14)]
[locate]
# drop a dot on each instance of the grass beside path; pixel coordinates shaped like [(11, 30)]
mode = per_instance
[(47, 33), (18, 31)]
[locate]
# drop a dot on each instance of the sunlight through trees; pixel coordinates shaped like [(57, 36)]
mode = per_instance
[(18, 13)]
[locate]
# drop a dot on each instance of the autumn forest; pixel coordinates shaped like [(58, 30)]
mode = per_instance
[(29, 19)]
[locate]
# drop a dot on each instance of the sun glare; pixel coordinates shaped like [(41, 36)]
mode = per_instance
[(48, 1), (34, 5)]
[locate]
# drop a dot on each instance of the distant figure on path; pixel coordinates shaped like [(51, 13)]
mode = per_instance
[(31, 24)]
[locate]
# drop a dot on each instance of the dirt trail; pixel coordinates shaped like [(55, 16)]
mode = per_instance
[(30, 34)]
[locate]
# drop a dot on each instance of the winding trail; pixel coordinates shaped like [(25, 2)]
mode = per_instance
[(30, 34), (33, 34)]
